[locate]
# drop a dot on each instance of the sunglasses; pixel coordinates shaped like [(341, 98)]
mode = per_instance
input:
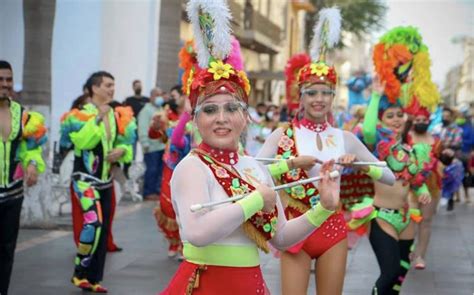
[(229, 108), (314, 93)]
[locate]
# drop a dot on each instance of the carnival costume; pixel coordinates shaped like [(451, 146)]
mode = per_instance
[(221, 244), (182, 137), (304, 137), (399, 55), (91, 180), (20, 149), (178, 145)]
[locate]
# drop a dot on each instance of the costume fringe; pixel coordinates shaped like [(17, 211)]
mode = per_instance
[(255, 236), (168, 226)]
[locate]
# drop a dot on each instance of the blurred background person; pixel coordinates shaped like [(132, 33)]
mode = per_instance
[(152, 148)]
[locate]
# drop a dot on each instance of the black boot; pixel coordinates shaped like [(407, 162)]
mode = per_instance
[(450, 205)]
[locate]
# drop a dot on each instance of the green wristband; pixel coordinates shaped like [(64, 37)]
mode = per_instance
[(251, 204), (318, 214), (374, 172), (278, 168)]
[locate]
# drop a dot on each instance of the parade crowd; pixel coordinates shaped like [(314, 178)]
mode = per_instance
[(379, 167)]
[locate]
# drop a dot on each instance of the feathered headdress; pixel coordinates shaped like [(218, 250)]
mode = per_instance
[(187, 62), (213, 41), (402, 61), (292, 69), (327, 32)]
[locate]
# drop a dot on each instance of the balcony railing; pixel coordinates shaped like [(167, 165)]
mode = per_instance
[(253, 20)]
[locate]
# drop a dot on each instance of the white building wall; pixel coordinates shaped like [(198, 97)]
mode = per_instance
[(116, 36), (129, 44), (12, 41), (76, 53)]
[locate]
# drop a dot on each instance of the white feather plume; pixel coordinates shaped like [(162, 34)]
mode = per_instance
[(220, 13), (333, 18)]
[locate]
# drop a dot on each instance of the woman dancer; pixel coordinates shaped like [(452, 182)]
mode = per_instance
[(313, 135), (420, 134), (177, 148), (220, 244), (400, 55), (180, 138)]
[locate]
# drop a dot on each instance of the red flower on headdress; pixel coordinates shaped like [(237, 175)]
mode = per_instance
[(219, 78)]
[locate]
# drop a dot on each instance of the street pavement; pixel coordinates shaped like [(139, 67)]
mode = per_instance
[(44, 259)]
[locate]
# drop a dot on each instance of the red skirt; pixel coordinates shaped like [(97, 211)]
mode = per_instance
[(197, 279), (331, 232), (164, 212)]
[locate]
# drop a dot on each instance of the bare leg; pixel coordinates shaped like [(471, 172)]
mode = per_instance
[(466, 195), (331, 269), (424, 229), (408, 233), (295, 272)]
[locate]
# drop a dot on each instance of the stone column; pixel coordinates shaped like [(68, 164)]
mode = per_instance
[(168, 43), (36, 94)]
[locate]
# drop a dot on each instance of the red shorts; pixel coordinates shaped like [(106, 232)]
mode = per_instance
[(216, 280), (331, 232)]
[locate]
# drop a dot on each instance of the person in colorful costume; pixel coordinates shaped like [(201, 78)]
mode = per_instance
[(402, 64), (76, 211), (419, 134), (100, 137), (178, 136), (221, 243), (22, 133), (313, 135), (178, 139)]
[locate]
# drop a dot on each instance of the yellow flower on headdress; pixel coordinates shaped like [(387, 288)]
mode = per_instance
[(244, 78), (320, 69), (220, 70)]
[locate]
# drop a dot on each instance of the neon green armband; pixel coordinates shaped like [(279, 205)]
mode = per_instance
[(318, 214), (251, 204), (374, 172), (278, 168), (421, 190), (34, 155), (127, 153), (88, 137)]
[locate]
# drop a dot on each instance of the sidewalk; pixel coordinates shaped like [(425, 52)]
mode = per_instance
[(44, 258)]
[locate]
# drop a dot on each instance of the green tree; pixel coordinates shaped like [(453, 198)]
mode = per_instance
[(358, 17)]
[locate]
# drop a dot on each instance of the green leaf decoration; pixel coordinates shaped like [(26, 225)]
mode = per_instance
[(235, 183), (310, 192), (267, 227), (208, 159)]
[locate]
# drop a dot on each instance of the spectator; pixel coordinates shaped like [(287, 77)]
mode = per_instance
[(137, 101), (152, 148), (172, 104), (448, 132), (465, 123)]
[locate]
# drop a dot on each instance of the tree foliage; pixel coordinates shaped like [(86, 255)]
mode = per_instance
[(358, 17)]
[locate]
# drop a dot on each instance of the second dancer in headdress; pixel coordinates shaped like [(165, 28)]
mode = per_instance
[(402, 64), (315, 82)]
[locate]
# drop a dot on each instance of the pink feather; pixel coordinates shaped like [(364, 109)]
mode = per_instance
[(235, 56)]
